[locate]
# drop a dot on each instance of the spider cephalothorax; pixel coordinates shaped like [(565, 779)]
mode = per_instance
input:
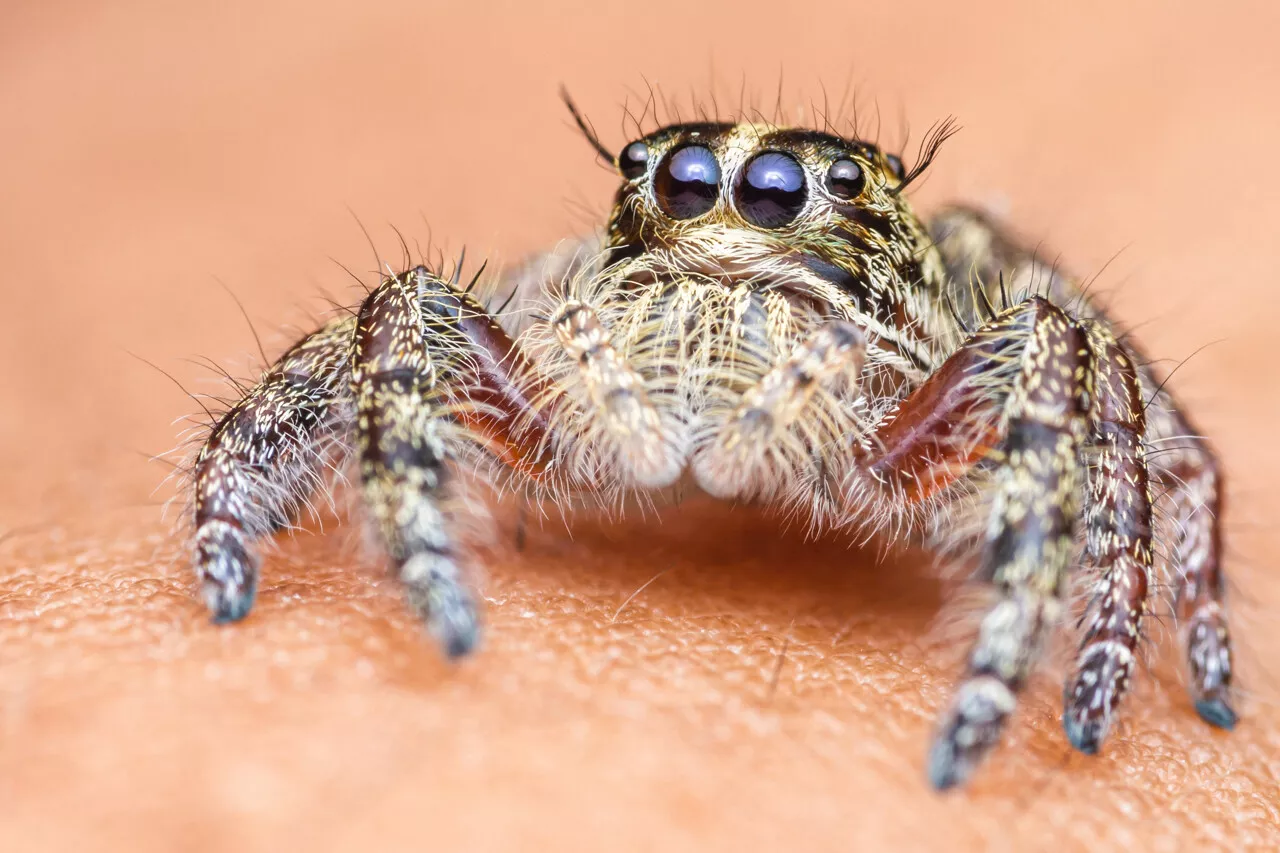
[(766, 316), (811, 214)]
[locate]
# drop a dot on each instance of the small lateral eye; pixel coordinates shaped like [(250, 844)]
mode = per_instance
[(772, 191), (688, 182), (845, 179), (633, 160), (896, 168)]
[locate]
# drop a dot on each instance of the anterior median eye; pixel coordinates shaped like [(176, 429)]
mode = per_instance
[(771, 193), (845, 179), (688, 182)]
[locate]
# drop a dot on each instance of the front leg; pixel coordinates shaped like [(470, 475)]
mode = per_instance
[(433, 371), (263, 459), (425, 364), (404, 441), (1017, 392)]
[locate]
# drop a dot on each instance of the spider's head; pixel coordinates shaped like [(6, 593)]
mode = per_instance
[(755, 204)]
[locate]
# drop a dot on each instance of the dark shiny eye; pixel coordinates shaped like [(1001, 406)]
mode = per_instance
[(845, 179), (771, 193), (633, 160), (688, 182), (896, 168)]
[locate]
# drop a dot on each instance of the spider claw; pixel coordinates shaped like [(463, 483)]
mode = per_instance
[(1216, 712), (944, 769)]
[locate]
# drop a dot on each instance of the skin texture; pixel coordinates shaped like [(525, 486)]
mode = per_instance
[(707, 682)]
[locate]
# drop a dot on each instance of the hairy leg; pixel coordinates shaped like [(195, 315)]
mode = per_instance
[(1118, 544), (1015, 395), (1186, 476), (265, 456), (1024, 405), (1030, 537), (263, 459), (404, 441)]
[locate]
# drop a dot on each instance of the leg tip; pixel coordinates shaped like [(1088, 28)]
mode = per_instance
[(440, 597), (944, 769), (969, 730), (1216, 712), (1084, 734), (461, 642), (455, 624), (228, 602)]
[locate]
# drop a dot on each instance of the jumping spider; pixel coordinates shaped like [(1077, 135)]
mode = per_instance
[(766, 316)]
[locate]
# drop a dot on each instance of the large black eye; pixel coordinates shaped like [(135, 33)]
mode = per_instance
[(633, 160), (687, 183), (845, 179), (772, 190)]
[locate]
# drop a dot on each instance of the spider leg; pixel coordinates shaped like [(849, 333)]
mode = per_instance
[(263, 459), (1118, 542), (431, 372), (403, 441), (1189, 475), (1183, 466), (1023, 381)]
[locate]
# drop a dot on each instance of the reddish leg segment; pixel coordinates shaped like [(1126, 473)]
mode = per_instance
[(264, 458), (1029, 373), (1118, 544), (1184, 471)]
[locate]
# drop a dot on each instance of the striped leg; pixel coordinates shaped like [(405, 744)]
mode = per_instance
[(262, 461), (1118, 543), (1182, 465), (403, 442), (1030, 536), (1188, 472)]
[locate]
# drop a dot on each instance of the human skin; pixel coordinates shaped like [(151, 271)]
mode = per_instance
[(699, 678)]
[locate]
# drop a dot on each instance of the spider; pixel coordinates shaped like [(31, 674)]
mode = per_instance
[(766, 317)]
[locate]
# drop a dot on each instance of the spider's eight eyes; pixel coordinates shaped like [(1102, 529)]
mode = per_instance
[(633, 160), (771, 193), (845, 179), (687, 183)]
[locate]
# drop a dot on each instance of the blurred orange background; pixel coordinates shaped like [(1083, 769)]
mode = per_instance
[(762, 692)]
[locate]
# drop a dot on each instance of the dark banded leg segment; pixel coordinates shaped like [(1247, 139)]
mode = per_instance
[(263, 460), (402, 440), (1118, 544), (1183, 467), (1030, 536), (1195, 485)]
